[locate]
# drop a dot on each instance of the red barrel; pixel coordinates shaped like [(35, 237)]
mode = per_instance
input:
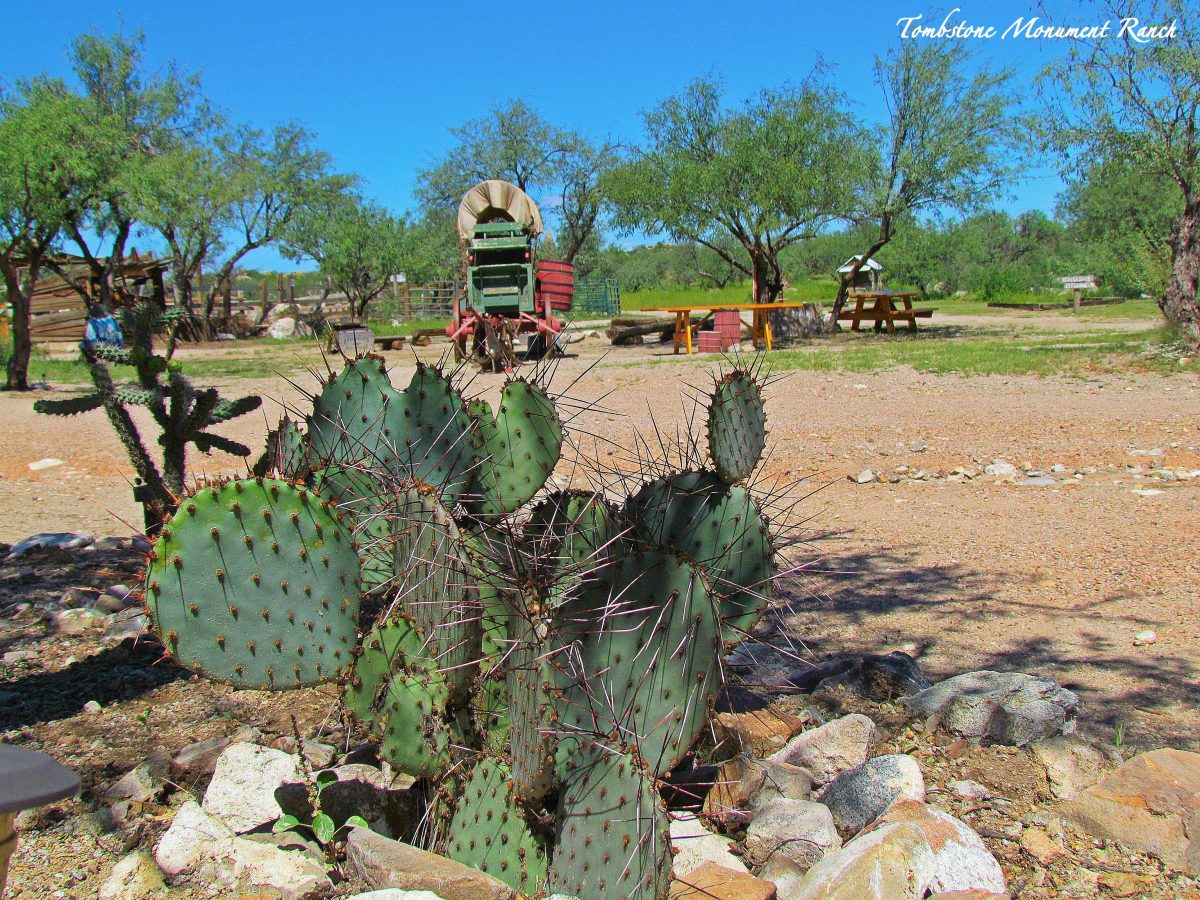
[(556, 282)]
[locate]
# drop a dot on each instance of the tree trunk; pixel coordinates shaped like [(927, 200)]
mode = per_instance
[(847, 283), (1179, 301), (17, 378), (768, 277)]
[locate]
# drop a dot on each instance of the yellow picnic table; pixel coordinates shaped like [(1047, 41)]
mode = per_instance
[(760, 327)]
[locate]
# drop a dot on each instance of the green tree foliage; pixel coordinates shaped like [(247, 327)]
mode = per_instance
[(746, 183), (942, 147), (358, 245), (1139, 102)]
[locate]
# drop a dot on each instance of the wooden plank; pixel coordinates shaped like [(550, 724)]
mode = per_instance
[(869, 315)]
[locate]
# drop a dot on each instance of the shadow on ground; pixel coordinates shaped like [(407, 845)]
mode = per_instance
[(883, 600)]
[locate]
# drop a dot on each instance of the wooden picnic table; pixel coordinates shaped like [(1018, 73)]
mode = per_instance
[(760, 327), (884, 310)]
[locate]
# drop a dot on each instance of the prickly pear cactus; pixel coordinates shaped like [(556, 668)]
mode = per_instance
[(613, 836), (286, 455), (737, 426), (431, 434), (490, 832), (720, 527), (255, 582)]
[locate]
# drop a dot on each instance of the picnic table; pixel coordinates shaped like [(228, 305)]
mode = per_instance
[(760, 327), (884, 310)]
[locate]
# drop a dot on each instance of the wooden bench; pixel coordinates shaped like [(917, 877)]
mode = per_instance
[(924, 312)]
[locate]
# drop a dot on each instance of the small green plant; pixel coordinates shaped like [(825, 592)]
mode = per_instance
[(1119, 737), (323, 828)]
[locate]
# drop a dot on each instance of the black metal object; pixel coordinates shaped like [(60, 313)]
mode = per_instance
[(29, 779)]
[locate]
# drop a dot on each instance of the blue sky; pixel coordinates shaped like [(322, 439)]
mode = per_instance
[(380, 83)]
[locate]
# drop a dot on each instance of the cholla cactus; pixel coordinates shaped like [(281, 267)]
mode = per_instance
[(540, 666)]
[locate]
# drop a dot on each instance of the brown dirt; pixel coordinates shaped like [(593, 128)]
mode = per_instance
[(1049, 580)]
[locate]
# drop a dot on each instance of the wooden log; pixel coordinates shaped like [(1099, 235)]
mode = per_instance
[(664, 328)]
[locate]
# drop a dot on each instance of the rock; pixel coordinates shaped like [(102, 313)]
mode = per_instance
[(695, 845), (92, 707), (744, 784), (874, 677), (857, 797), (58, 540), (969, 790), (383, 863), (80, 621), (1038, 844), (186, 847), (1151, 804), (130, 622), (800, 830), (891, 862), (133, 878), (242, 790), (12, 657), (1001, 469), (866, 476), (714, 882), (200, 846), (282, 328), (832, 748), (1142, 638), (1003, 707), (49, 462), (200, 759), (74, 598), (138, 785), (961, 861), (759, 731), (1070, 765), (1122, 884), (1039, 481), (317, 754)]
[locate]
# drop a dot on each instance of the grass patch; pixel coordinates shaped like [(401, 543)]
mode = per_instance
[(1044, 353)]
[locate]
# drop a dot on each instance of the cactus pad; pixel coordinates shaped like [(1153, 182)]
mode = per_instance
[(612, 834), (286, 455), (517, 451), (436, 585), (489, 831), (721, 528), (410, 722), (737, 426), (641, 657), (255, 583), (431, 434), (347, 429), (573, 535), (388, 646)]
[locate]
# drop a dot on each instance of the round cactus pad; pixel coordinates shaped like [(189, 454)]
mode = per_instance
[(737, 426), (256, 583)]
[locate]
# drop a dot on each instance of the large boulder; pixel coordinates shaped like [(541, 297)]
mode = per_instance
[(875, 677), (760, 731), (1071, 765), (242, 790), (832, 748), (961, 860), (857, 797), (1151, 804), (1000, 707), (383, 863), (715, 881), (135, 877), (283, 328)]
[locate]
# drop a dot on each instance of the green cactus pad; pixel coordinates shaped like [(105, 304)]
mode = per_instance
[(410, 722), (286, 455), (517, 452), (347, 428), (255, 583), (613, 837), (533, 703), (720, 527), (574, 534), (436, 585), (489, 831), (431, 435), (640, 658), (389, 646), (737, 426)]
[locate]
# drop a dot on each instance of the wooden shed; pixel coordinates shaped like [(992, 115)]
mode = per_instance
[(58, 309), (868, 277)]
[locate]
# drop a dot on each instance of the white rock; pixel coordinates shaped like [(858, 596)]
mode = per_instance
[(61, 540), (188, 845), (969, 790), (801, 830), (133, 878), (1071, 765), (858, 796), (137, 784), (696, 845), (80, 621), (1002, 469), (282, 328), (892, 862), (242, 790), (1149, 636), (48, 463), (961, 861), (832, 748), (866, 476)]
